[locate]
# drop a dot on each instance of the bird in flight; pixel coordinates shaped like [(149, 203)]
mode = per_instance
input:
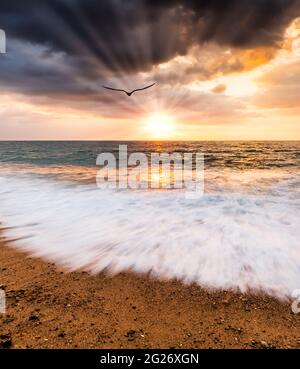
[(129, 93)]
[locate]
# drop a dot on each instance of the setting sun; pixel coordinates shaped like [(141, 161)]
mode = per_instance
[(160, 125)]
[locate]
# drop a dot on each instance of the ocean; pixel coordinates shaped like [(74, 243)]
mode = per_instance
[(243, 234)]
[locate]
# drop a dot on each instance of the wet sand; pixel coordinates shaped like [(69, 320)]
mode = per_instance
[(48, 308)]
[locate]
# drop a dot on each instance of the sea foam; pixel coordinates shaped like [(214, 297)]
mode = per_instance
[(241, 235)]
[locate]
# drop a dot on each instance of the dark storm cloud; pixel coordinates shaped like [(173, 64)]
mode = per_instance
[(240, 23), (173, 25), (103, 38)]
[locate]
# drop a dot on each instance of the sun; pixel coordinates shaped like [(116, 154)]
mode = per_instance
[(160, 125)]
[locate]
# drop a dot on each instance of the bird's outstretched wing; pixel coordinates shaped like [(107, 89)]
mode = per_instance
[(145, 88), (127, 92), (114, 89)]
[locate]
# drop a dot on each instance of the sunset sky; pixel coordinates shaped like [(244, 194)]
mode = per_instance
[(225, 70)]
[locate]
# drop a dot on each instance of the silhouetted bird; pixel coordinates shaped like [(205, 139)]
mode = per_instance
[(129, 93)]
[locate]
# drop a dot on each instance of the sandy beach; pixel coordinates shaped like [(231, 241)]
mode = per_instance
[(49, 308)]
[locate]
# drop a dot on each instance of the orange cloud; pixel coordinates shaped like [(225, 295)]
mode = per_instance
[(219, 89), (253, 58)]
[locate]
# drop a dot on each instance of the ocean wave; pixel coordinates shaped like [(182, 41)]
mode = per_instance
[(243, 234)]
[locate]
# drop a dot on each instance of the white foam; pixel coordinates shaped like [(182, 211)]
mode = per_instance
[(228, 239)]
